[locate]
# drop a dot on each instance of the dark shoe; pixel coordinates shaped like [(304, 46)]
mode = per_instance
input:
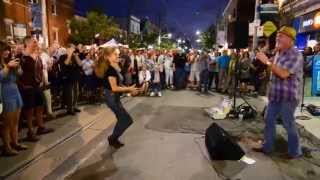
[(10, 153), (20, 147), (289, 157), (51, 116), (71, 113), (43, 130), (32, 138), (115, 143), (77, 110)]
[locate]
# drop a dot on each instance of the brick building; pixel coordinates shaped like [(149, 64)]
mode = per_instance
[(48, 19), (15, 18), (59, 13)]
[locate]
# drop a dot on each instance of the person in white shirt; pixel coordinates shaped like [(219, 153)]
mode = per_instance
[(156, 81), (194, 77), (87, 67), (47, 63), (144, 79), (168, 68)]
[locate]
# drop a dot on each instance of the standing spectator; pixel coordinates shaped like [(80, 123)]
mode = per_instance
[(134, 68), (161, 61), (179, 62), (204, 72), (230, 79), (30, 87), (156, 81), (47, 66), (245, 67), (223, 63), (12, 102), (259, 75), (70, 64), (89, 81), (126, 66), (168, 67), (194, 77), (213, 69)]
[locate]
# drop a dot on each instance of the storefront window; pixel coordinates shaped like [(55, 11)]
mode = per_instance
[(8, 27)]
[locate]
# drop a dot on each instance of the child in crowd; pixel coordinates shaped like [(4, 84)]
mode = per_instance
[(144, 80), (156, 81)]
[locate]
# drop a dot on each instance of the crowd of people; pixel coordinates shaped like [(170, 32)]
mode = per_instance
[(36, 80)]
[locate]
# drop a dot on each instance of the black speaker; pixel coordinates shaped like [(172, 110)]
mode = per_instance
[(220, 145)]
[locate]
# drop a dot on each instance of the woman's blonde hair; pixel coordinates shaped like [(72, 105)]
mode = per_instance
[(103, 63)]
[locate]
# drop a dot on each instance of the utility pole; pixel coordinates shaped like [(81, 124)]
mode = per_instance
[(44, 23), (256, 20)]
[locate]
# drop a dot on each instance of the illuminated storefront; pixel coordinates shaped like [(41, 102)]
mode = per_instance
[(308, 27)]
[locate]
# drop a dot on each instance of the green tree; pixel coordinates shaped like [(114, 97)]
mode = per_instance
[(208, 38), (135, 41), (85, 30), (167, 44), (150, 38)]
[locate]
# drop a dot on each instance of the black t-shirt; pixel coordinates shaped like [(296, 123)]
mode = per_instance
[(180, 61), (126, 64), (71, 72), (111, 72)]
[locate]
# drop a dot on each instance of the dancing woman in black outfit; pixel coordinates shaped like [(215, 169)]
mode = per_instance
[(108, 68)]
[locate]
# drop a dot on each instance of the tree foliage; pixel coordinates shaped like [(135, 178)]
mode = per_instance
[(84, 30), (208, 38)]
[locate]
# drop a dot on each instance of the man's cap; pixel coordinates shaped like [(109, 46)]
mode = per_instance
[(288, 31)]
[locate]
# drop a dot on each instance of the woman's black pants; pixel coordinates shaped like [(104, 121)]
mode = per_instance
[(124, 120)]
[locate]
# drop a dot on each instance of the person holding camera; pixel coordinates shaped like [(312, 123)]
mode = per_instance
[(70, 75), (11, 99)]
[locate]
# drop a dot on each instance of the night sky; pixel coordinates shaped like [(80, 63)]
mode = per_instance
[(180, 16)]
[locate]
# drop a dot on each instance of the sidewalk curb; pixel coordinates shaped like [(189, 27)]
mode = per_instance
[(76, 131)]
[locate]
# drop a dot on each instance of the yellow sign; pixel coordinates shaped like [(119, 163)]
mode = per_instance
[(269, 28)]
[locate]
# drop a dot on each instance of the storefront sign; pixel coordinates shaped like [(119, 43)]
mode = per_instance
[(20, 30), (310, 22)]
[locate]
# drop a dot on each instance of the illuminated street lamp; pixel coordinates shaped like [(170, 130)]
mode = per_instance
[(165, 36), (198, 33), (198, 40)]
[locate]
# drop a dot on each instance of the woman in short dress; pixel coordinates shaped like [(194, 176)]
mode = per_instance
[(12, 102)]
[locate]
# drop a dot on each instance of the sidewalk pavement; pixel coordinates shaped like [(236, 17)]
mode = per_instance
[(72, 129)]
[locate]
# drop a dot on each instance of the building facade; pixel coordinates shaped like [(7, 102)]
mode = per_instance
[(15, 16), (306, 14), (237, 16), (59, 15), (48, 20)]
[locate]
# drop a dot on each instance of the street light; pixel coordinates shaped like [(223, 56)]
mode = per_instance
[(198, 33), (165, 36), (198, 40)]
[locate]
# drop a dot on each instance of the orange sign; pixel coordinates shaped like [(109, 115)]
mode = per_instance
[(316, 21)]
